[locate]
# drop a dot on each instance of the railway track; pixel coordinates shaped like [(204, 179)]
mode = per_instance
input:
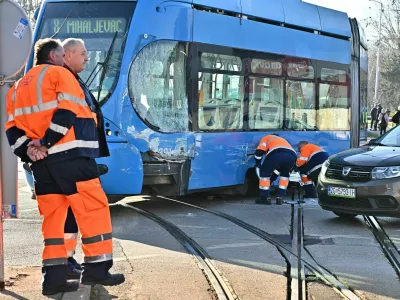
[(297, 257), (221, 286), (388, 247), (297, 268)]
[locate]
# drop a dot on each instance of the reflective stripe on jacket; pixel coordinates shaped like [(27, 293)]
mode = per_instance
[(49, 104), (16, 137), (306, 153), (270, 143)]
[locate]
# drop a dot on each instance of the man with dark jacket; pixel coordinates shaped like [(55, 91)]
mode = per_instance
[(374, 115), (396, 117), (377, 116)]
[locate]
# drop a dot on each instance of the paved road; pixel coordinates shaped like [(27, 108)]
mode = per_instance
[(158, 267)]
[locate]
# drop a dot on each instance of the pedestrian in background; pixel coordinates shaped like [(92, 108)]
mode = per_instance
[(383, 121), (374, 115), (396, 117), (377, 117)]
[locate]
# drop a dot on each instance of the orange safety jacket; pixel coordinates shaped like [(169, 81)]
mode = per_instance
[(306, 152), (271, 143), (48, 104)]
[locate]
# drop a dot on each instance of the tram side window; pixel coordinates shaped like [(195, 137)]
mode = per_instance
[(265, 103), (221, 93), (301, 113), (333, 112), (266, 94), (157, 85)]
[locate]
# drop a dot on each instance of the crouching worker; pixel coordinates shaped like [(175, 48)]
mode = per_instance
[(309, 164), (280, 156)]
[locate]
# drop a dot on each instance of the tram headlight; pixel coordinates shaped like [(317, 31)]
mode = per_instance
[(385, 172), (325, 166)]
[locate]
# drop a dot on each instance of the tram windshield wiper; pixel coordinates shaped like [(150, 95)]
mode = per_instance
[(104, 65)]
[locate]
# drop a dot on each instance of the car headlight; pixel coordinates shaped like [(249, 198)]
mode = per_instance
[(385, 172), (324, 167)]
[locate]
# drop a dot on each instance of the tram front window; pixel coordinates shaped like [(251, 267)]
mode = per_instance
[(103, 26)]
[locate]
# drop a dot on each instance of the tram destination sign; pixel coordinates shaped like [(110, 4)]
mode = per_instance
[(85, 26)]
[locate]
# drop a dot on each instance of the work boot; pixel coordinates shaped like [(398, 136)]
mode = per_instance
[(73, 273), (111, 280), (264, 200), (74, 269), (74, 263), (279, 200), (69, 286)]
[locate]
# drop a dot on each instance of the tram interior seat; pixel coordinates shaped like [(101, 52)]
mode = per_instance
[(219, 114), (267, 116)]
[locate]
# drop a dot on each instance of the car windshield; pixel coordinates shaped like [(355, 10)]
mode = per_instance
[(391, 138)]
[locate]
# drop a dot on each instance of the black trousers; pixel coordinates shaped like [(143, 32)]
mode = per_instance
[(70, 225)]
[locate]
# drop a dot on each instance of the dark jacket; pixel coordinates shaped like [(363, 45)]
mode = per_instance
[(396, 118), (379, 110), (94, 105), (374, 113)]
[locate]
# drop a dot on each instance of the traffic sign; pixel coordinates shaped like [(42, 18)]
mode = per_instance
[(16, 38)]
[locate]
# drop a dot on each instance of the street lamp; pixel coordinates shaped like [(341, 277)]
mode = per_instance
[(378, 56)]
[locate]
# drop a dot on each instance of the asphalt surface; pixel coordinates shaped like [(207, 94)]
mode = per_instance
[(158, 267)]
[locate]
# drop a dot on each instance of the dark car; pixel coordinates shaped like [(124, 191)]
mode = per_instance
[(364, 180)]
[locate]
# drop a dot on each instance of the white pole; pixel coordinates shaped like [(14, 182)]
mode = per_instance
[(4, 86), (378, 56)]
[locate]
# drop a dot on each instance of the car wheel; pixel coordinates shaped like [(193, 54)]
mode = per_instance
[(346, 216)]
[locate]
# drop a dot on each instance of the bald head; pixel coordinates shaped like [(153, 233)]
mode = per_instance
[(75, 54)]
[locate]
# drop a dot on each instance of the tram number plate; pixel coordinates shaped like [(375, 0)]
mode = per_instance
[(341, 192)]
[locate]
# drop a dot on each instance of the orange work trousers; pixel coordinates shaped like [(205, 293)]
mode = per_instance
[(73, 183)]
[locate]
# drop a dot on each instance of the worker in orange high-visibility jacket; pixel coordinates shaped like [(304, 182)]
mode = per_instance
[(51, 126), (279, 156), (309, 164), (75, 60)]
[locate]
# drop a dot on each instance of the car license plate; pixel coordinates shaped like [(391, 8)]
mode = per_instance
[(335, 191)]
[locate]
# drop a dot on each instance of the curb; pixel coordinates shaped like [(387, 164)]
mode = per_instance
[(83, 293)]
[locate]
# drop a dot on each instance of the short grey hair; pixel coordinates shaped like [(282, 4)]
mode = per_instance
[(71, 42), (302, 143)]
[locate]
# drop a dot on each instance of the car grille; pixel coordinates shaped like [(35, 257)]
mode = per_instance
[(345, 202), (357, 174)]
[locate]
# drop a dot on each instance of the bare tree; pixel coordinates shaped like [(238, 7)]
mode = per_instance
[(30, 6), (389, 84)]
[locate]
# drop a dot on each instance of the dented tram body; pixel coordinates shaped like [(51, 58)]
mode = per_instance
[(189, 87)]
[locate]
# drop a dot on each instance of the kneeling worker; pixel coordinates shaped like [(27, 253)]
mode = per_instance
[(309, 164), (280, 156)]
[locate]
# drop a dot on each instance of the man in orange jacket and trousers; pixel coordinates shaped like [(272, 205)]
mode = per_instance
[(50, 124), (309, 164), (280, 156)]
